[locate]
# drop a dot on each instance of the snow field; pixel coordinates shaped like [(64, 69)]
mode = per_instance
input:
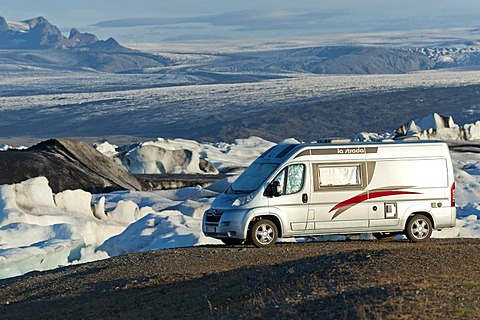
[(40, 230)]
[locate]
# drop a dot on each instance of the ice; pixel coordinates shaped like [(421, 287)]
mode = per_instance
[(40, 230), (467, 196), (183, 156), (108, 149), (168, 229), (75, 201)]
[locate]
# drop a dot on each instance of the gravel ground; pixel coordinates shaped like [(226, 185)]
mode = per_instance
[(438, 279)]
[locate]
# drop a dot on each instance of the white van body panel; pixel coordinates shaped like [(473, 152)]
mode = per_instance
[(339, 189)]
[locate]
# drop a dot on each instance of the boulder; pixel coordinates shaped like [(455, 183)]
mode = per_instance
[(67, 164)]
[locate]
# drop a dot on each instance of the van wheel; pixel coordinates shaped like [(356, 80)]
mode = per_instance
[(232, 241), (263, 233), (419, 228)]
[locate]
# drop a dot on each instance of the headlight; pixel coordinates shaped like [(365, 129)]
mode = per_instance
[(242, 201)]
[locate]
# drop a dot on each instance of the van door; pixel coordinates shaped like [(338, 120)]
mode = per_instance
[(339, 197), (294, 198)]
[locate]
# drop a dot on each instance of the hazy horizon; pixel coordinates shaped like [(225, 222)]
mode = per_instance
[(156, 21)]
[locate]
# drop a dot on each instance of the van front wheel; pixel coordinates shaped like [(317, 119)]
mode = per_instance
[(419, 228), (264, 233)]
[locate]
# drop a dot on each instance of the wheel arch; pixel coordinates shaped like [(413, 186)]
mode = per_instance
[(270, 217), (422, 212)]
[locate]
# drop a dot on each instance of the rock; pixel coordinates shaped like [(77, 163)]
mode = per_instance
[(42, 34), (67, 164), (39, 44), (78, 39), (106, 45), (39, 33)]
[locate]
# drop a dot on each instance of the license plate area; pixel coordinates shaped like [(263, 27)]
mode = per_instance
[(211, 229)]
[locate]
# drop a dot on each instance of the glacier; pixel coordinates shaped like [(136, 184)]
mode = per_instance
[(40, 230)]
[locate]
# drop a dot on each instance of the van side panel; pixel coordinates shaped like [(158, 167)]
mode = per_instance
[(410, 174), (348, 188)]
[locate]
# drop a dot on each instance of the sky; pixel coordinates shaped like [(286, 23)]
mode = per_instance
[(166, 20)]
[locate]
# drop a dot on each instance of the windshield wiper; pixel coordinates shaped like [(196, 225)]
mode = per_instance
[(230, 190), (242, 191)]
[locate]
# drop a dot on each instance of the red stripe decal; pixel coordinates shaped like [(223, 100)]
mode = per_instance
[(357, 199), (365, 196)]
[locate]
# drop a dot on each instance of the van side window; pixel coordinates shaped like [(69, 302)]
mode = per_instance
[(291, 178), (332, 176), (339, 176)]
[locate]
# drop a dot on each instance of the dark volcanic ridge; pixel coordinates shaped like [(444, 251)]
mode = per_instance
[(70, 164), (67, 164)]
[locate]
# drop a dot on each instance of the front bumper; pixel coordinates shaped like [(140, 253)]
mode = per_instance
[(225, 224)]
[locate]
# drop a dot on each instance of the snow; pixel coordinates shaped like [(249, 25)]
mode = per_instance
[(183, 156), (19, 26), (153, 101), (40, 230)]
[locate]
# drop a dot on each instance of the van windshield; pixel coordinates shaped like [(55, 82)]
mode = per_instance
[(252, 178)]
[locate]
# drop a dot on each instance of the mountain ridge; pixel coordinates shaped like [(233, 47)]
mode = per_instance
[(38, 33), (36, 43)]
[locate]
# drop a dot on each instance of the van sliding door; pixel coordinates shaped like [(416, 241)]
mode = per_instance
[(338, 197)]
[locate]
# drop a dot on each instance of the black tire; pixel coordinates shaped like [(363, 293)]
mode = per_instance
[(419, 228), (263, 233), (383, 235), (232, 241)]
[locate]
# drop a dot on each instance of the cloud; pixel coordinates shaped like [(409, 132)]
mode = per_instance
[(195, 37), (241, 20)]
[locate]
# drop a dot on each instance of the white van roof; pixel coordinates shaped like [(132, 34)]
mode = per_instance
[(282, 152)]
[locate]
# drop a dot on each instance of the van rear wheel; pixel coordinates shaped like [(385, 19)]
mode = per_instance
[(419, 228), (264, 233)]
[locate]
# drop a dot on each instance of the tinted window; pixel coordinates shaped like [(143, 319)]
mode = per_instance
[(291, 178)]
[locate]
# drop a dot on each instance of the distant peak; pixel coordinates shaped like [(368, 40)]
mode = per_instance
[(111, 41), (3, 24), (73, 32), (38, 20), (39, 33)]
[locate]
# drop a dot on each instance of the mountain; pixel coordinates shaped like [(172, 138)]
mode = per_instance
[(39, 33), (40, 44), (35, 33), (325, 60), (36, 43)]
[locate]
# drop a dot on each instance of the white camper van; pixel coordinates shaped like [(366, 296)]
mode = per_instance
[(300, 190)]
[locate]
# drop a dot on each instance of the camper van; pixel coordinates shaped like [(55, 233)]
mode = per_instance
[(305, 190)]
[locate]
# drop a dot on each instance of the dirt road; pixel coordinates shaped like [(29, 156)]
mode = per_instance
[(438, 279)]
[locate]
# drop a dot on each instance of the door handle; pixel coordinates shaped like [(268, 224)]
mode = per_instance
[(304, 198)]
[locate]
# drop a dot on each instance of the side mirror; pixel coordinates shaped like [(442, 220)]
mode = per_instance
[(274, 189)]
